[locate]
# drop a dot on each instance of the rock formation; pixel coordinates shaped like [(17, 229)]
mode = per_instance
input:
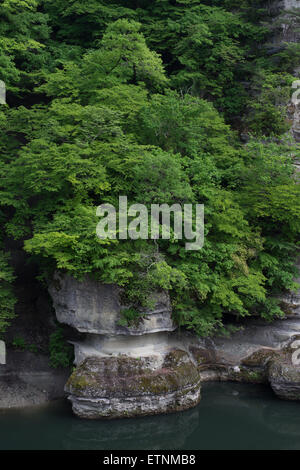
[(95, 308), (259, 352), (27, 380), (2, 353), (148, 368), (287, 31), (123, 371), (137, 372)]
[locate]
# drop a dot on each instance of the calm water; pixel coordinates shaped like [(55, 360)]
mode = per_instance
[(230, 416)]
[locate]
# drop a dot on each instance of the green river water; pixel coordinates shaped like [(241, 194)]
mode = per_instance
[(230, 416)]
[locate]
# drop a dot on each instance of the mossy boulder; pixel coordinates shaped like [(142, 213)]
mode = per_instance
[(254, 375), (204, 357), (122, 386)]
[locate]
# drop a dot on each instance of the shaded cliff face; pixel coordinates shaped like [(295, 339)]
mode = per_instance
[(2, 352), (118, 375), (292, 299), (294, 116), (291, 31)]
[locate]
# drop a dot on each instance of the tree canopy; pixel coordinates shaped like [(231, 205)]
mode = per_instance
[(148, 99)]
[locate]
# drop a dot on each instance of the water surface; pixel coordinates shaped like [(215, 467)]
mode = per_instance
[(230, 416)]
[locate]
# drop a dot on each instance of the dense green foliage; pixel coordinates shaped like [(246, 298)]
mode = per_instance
[(147, 99)]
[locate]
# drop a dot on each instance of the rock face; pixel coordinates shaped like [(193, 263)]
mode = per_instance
[(2, 353), (123, 371), (157, 344), (118, 387), (288, 28), (148, 368), (254, 337), (28, 380), (92, 307), (292, 299), (284, 378), (134, 372)]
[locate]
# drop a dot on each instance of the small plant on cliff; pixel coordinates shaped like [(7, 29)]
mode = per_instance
[(130, 317), (61, 353)]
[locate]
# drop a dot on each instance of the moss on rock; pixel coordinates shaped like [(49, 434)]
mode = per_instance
[(124, 386)]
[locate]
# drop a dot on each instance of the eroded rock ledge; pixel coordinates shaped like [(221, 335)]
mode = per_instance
[(143, 370), (278, 365), (95, 308), (117, 387), (123, 371)]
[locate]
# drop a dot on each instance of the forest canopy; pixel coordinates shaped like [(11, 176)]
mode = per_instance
[(149, 99)]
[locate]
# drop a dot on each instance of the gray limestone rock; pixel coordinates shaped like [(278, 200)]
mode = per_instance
[(2, 353), (291, 301), (252, 337), (93, 307), (118, 387), (284, 378)]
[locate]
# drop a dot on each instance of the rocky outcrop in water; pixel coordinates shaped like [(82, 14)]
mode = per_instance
[(123, 371), (95, 308)]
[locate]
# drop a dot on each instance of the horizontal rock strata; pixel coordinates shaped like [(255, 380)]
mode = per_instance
[(120, 387), (95, 308)]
